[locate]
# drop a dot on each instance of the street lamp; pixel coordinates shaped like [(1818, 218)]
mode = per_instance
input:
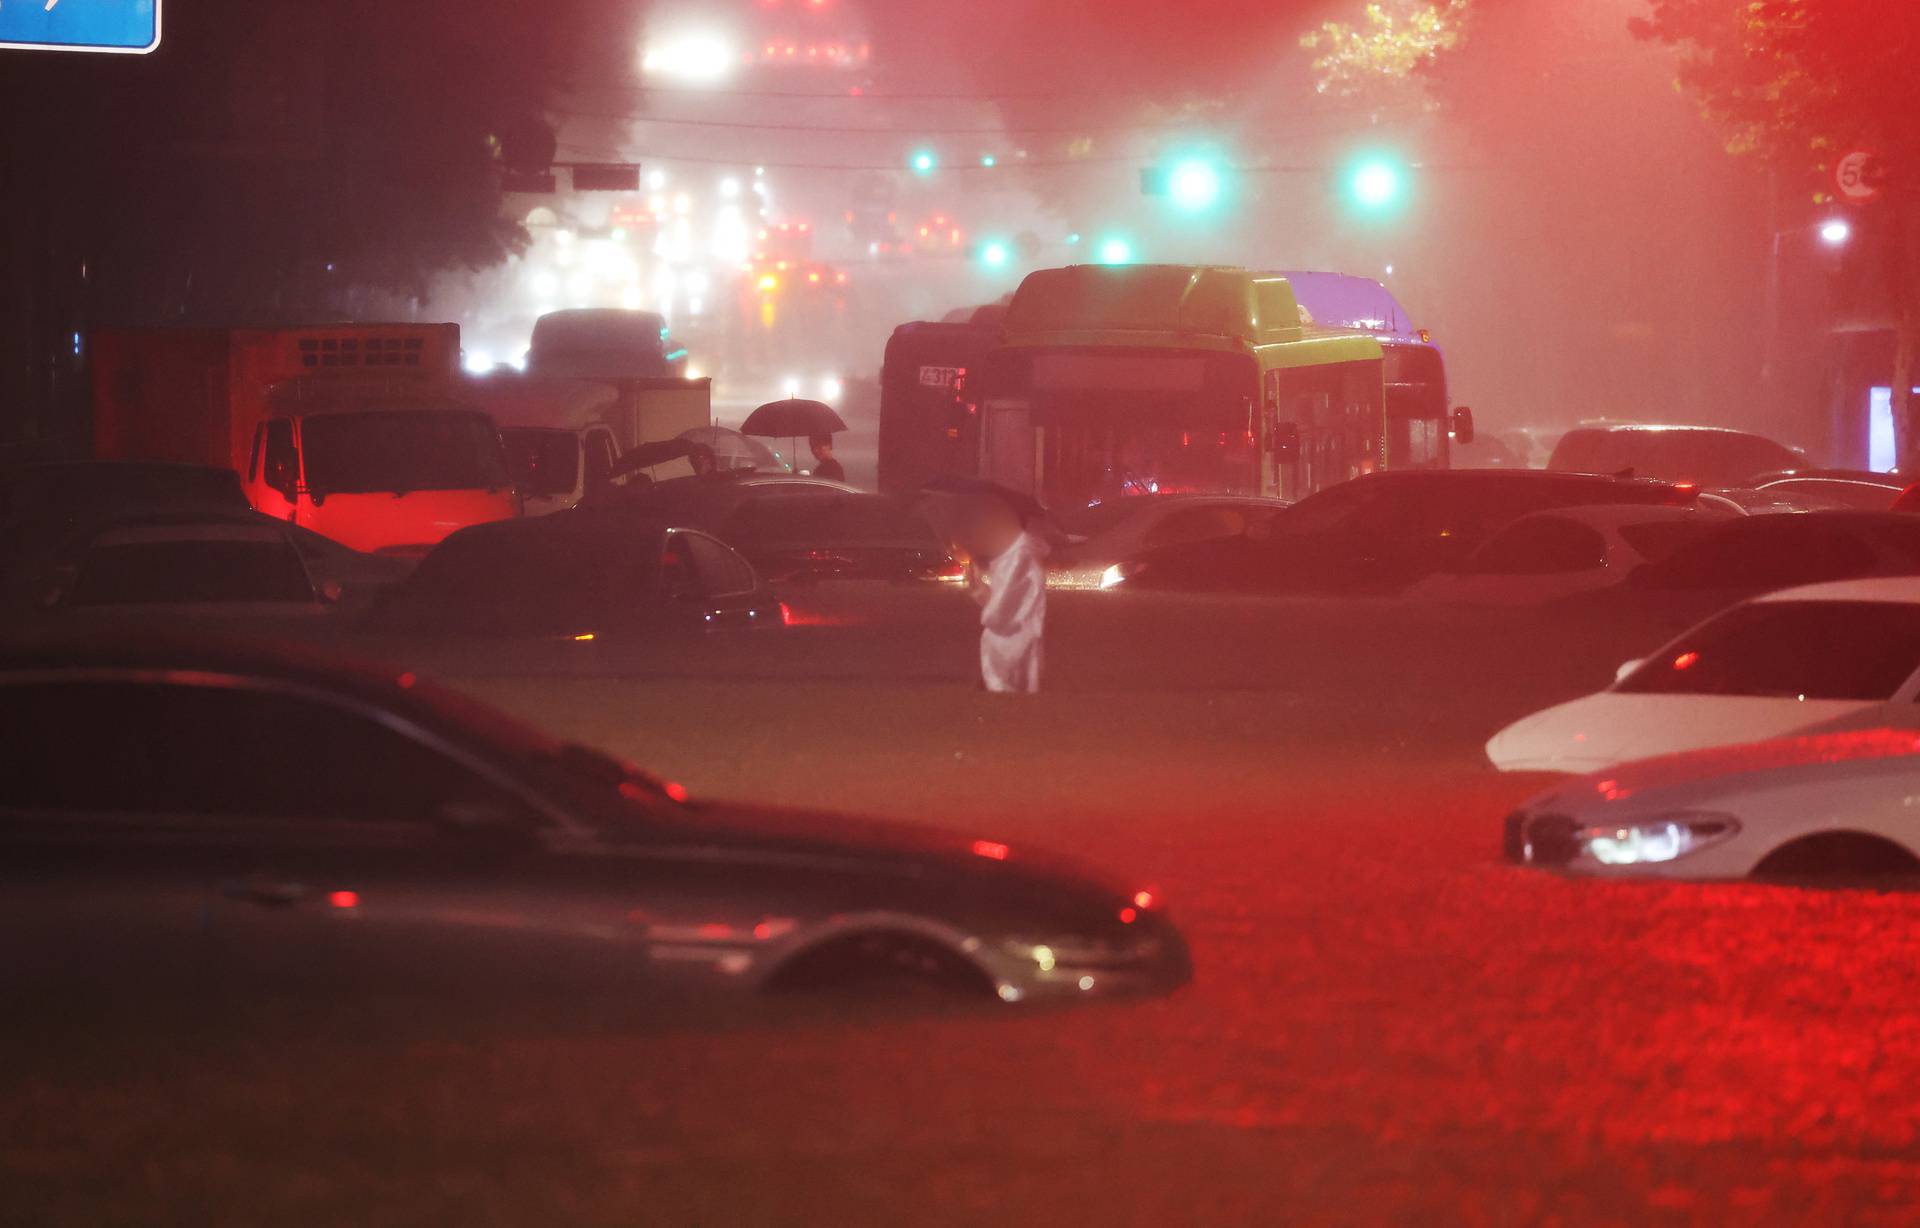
[(1835, 232)]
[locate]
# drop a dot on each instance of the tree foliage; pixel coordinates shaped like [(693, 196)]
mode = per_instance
[(1801, 82), (1384, 51)]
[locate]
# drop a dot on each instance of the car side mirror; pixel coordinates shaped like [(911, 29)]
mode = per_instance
[(1463, 425), (1627, 667)]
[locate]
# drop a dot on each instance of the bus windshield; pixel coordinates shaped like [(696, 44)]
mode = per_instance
[(1416, 406), (1142, 422), (401, 451)]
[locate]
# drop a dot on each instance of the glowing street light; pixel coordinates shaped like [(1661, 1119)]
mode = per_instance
[(1195, 185), (995, 254), (692, 57), (1835, 232), (1115, 250), (1377, 185), (923, 162)]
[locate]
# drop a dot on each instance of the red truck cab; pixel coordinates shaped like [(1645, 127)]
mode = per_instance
[(393, 477)]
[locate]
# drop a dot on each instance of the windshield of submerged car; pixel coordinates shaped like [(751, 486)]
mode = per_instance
[(1842, 650)]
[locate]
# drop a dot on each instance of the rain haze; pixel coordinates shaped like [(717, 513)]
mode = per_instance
[(1031, 612)]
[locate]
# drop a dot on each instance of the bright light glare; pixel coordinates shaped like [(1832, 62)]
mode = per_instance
[(693, 372), (479, 362), (924, 162), (995, 254), (1195, 185), (1116, 251), (729, 187), (1835, 232), (831, 388), (790, 386), (545, 284), (693, 57), (1376, 184)]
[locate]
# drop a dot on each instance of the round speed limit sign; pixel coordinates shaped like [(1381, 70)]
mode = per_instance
[(1850, 176)]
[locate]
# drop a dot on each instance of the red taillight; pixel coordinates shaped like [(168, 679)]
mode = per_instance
[(675, 790), (990, 849), (786, 615), (344, 899), (1128, 916)]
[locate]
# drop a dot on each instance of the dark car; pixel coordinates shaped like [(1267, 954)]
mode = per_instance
[(44, 506), (803, 528), (58, 491), (181, 815), (579, 574), (1381, 532), (1701, 455), (1746, 556), (1102, 535)]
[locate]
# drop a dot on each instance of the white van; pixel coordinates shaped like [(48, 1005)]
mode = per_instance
[(560, 446)]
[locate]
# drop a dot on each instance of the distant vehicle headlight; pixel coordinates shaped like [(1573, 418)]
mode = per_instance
[(1648, 841), (1118, 574)]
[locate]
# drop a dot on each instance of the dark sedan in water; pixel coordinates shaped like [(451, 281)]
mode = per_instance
[(803, 528), (579, 574), (181, 815), (1380, 532)]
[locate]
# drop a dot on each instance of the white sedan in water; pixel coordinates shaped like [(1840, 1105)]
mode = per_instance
[(1766, 667), (1838, 804), (1545, 556)]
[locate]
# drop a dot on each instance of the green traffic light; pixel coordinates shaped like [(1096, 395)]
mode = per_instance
[(995, 254), (1115, 250), (923, 162), (1195, 185), (1377, 184)]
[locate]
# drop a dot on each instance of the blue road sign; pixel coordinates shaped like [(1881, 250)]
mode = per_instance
[(126, 26)]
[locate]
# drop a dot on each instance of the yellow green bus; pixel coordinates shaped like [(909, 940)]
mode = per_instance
[(1158, 379)]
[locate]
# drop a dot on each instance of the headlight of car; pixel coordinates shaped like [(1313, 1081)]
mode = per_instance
[(1118, 574), (1666, 837)]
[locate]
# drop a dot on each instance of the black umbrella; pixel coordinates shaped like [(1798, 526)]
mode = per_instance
[(792, 418)]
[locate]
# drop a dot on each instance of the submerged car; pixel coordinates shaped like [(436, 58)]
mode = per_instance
[(1701, 455), (189, 814), (579, 574), (201, 567), (1101, 536), (1381, 532), (1550, 555), (1767, 667), (1812, 806), (797, 528)]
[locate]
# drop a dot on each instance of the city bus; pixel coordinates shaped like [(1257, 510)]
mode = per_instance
[(929, 421), (1420, 426), (1141, 379)]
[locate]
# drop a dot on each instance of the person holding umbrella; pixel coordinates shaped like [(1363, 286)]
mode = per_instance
[(1007, 578), (793, 418), (824, 466)]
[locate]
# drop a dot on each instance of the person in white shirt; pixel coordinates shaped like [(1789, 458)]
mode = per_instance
[(1007, 576)]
